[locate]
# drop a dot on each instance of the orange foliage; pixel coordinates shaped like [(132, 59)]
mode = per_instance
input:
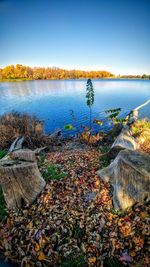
[(38, 73)]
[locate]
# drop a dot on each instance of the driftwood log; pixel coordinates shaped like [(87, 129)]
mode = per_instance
[(129, 173), (56, 135), (125, 140), (20, 178)]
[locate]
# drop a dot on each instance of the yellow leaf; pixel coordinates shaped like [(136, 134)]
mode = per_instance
[(143, 215), (37, 247), (132, 254), (91, 260), (30, 225)]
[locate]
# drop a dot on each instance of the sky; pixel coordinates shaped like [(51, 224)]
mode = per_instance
[(112, 35)]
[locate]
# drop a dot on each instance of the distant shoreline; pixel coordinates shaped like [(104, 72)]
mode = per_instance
[(77, 79), (19, 72)]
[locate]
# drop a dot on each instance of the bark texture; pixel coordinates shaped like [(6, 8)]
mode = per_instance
[(24, 154), (129, 174), (125, 140), (21, 182)]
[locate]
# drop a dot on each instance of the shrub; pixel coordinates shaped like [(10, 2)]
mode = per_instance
[(15, 124)]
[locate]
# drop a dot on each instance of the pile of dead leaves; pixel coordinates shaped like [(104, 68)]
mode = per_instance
[(73, 224)]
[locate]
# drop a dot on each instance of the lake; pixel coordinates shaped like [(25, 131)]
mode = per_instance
[(63, 102)]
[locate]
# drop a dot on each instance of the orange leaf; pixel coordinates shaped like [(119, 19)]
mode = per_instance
[(92, 260), (41, 256)]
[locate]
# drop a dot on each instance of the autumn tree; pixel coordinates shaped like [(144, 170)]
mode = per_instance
[(37, 73), (8, 72)]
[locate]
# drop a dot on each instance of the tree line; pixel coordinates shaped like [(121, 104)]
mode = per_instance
[(22, 72), (144, 76), (39, 73)]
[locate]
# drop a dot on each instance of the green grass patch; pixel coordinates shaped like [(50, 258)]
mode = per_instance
[(104, 158), (2, 153), (113, 262), (52, 172), (77, 232), (71, 262), (118, 212)]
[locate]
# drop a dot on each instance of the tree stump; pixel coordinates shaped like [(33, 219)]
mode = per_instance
[(21, 182), (24, 154), (125, 140), (129, 174)]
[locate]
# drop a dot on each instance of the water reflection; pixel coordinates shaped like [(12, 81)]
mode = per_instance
[(52, 100)]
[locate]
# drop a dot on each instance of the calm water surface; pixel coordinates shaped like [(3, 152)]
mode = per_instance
[(54, 101)]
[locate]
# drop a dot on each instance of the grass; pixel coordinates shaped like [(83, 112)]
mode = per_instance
[(140, 126), (77, 232), (141, 131), (104, 158), (70, 262), (52, 173), (113, 262), (2, 153)]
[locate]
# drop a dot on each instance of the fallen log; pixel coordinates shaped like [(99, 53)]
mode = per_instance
[(129, 175)]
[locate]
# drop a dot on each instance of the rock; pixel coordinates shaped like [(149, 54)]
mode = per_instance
[(129, 174)]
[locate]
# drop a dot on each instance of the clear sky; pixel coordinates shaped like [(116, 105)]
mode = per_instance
[(109, 35)]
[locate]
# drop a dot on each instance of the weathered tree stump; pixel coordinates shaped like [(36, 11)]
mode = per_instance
[(129, 174), (21, 182), (125, 140), (24, 154)]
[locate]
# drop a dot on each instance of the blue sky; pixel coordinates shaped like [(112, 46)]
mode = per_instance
[(109, 35)]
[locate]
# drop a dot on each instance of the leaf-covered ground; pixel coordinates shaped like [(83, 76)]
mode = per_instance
[(73, 224)]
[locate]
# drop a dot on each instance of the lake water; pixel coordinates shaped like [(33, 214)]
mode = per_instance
[(55, 101)]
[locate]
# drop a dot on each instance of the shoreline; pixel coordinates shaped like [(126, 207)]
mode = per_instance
[(79, 79)]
